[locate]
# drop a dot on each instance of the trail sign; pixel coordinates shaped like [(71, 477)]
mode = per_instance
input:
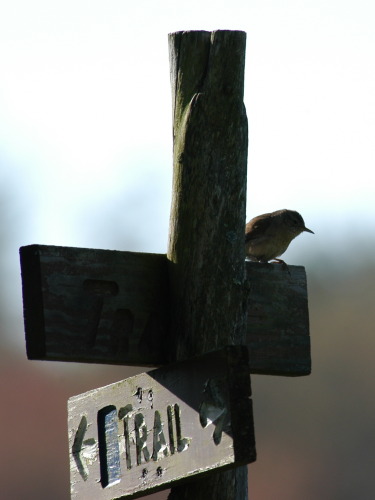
[(113, 307), (165, 426), (97, 306)]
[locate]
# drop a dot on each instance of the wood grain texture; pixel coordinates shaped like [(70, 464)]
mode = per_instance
[(206, 245), (277, 334), (154, 430), (206, 248), (95, 306)]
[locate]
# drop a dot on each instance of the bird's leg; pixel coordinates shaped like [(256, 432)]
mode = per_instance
[(283, 263)]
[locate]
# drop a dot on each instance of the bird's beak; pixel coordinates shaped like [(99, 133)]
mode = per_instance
[(308, 230)]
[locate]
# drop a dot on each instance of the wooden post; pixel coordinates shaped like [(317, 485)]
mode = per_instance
[(206, 247)]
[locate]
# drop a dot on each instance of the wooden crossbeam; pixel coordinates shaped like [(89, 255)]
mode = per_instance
[(104, 306)]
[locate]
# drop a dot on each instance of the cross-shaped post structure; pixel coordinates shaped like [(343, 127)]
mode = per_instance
[(180, 311)]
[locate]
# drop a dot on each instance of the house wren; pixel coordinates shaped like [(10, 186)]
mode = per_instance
[(269, 235)]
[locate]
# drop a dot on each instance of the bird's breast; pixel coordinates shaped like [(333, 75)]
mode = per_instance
[(265, 248)]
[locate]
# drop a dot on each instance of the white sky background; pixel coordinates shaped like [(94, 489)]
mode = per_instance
[(85, 115)]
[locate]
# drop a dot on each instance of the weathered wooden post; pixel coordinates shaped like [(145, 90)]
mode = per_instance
[(206, 247)]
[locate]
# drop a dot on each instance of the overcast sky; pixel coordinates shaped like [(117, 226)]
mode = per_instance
[(85, 112)]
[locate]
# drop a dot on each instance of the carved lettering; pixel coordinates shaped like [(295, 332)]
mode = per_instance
[(160, 448), (141, 438), (170, 414), (83, 450), (98, 289), (125, 415), (109, 452), (121, 330), (110, 319), (135, 435), (174, 413)]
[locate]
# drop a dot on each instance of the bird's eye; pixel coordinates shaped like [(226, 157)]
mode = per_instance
[(297, 222)]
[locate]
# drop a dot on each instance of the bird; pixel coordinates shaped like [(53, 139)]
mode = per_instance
[(268, 236)]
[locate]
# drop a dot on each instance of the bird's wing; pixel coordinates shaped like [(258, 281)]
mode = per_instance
[(257, 226)]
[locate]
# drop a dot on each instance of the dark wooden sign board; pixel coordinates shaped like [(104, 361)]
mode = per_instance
[(105, 306), (138, 435)]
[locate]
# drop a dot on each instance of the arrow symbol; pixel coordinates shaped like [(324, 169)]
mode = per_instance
[(83, 451)]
